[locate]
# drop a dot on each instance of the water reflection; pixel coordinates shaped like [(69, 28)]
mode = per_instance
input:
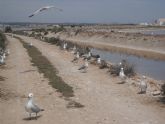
[(149, 67)]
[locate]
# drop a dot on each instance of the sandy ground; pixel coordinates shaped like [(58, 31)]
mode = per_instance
[(105, 101)]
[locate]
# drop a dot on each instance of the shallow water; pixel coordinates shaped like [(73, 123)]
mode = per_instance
[(154, 32), (143, 66)]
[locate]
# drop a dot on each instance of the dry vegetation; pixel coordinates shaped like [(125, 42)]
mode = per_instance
[(51, 73), (128, 68), (45, 67)]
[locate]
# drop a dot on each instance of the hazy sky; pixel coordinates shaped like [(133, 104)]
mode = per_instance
[(85, 11)]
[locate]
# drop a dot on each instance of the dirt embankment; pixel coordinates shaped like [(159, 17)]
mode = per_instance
[(129, 43)]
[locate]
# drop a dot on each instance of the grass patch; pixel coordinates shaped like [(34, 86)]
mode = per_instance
[(45, 67), (2, 41)]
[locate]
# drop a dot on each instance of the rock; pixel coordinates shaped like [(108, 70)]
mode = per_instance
[(155, 93)]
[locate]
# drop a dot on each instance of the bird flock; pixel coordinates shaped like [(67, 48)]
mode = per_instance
[(85, 55), (88, 58)]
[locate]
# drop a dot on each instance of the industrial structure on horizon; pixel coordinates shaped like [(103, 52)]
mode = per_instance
[(160, 21)]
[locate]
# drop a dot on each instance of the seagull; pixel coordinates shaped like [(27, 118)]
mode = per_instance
[(4, 55), (122, 75), (43, 9), (85, 66), (31, 44), (65, 46), (76, 58), (98, 60), (87, 56), (74, 50), (1, 60), (120, 63), (143, 85), (30, 107)]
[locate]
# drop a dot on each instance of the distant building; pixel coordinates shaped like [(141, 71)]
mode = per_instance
[(144, 24), (57, 26), (161, 21)]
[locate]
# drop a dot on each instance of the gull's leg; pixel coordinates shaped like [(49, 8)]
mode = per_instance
[(30, 116), (141, 90), (36, 116)]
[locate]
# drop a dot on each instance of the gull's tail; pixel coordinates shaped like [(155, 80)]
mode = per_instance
[(82, 67)]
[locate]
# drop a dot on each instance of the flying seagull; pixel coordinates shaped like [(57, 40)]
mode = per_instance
[(30, 107), (43, 9)]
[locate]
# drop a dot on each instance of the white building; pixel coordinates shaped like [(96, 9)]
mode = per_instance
[(161, 21), (144, 24)]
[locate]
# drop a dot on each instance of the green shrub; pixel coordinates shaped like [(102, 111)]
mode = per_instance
[(2, 40), (8, 29), (129, 69)]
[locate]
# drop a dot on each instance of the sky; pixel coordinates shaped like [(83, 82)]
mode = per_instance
[(83, 11)]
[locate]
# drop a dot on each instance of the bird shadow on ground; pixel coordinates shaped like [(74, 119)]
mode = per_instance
[(2, 78), (3, 66), (27, 71), (83, 72), (141, 92), (32, 118), (162, 100), (121, 82)]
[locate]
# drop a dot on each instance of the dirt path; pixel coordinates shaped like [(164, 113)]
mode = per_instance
[(105, 101)]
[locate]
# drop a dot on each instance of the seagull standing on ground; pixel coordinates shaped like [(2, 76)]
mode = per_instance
[(74, 50), (143, 85), (30, 44), (76, 58), (1, 60), (30, 107), (85, 66), (65, 46), (98, 60), (87, 56), (122, 75), (4, 55)]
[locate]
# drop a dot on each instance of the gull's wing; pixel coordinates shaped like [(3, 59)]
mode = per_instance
[(35, 108), (36, 12), (58, 8), (42, 9), (82, 67)]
